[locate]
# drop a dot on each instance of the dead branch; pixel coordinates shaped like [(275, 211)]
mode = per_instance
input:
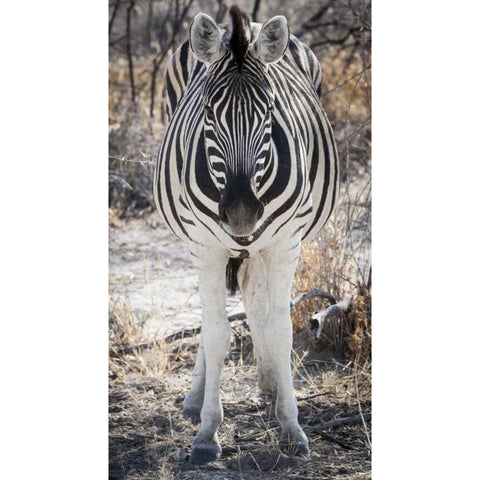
[(221, 10), (160, 57), (230, 449), (256, 7), (316, 292), (149, 23), (332, 310), (339, 310), (340, 85), (237, 316), (185, 333), (129, 49), (112, 178), (309, 397), (338, 422), (112, 18), (332, 439)]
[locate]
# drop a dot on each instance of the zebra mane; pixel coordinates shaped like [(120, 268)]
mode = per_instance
[(241, 34)]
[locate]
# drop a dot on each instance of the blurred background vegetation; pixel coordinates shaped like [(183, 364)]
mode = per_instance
[(142, 36)]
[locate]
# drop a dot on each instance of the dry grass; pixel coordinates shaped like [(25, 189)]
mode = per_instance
[(149, 438), (339, 262), (126, 330)]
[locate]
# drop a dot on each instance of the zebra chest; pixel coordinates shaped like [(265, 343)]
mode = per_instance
[(203, 228)]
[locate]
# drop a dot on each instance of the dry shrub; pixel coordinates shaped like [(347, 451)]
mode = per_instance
[(114, 218), (338, 261), (359, 341), (127, 330), (345, 86), (134, 138)]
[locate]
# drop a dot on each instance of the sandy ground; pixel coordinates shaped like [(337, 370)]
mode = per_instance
[(151, 268)]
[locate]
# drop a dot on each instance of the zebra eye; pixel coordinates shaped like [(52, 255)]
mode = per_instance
[(270, 108), (208, 110)]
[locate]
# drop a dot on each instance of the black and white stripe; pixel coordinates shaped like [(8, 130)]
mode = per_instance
[(262, 123), (247, 170)]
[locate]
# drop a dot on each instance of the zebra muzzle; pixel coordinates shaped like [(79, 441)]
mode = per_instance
[(239, 212)]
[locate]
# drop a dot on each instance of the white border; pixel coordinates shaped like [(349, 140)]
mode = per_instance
[(425, 240), (54, 240)]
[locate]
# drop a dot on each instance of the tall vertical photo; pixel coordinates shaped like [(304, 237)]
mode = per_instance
[(240, 268)]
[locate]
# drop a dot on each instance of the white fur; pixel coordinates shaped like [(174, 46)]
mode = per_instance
[(272, 40), (205, 39), (265, 281)]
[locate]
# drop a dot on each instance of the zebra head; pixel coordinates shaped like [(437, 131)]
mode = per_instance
[(238, 102)]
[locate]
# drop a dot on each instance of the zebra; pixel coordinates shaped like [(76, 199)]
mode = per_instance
[(247, 171)]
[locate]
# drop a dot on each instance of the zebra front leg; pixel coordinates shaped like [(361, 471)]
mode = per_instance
[(215, 341), (278, 334), (192, 405)]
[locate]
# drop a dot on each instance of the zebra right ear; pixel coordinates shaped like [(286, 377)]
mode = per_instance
[(272, 40), (205, 38)]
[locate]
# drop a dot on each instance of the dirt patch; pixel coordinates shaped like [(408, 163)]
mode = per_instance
[(153, 270), (150, 439)]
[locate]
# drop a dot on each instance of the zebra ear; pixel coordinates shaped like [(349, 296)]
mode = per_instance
[(272, 40), (205, 37)]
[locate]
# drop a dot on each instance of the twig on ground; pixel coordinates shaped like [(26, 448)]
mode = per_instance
[(301, 399), (341, 365), (188, 332), (237, 316), (330, 438), (255, 462), (353, 420), (229, 449), (332, 310)]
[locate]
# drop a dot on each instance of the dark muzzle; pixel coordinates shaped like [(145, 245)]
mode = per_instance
[(239, 208)]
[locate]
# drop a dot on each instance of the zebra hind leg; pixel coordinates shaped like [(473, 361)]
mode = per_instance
[(265, 286), (278, 334), (252, 282)]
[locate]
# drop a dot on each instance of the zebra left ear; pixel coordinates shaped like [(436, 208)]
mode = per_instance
[(272, 40), (205, 37)]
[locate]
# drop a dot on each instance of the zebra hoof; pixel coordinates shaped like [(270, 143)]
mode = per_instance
[(192, 413), (295, 443), (205, 453)]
